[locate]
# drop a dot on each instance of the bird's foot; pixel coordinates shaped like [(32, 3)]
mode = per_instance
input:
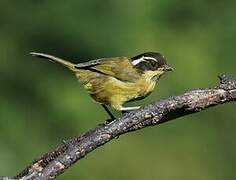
[(108, 121)]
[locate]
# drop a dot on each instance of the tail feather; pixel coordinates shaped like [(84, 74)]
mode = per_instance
[(65, 63)]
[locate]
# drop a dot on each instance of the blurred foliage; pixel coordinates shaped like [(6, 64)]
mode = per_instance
[(41, 103)]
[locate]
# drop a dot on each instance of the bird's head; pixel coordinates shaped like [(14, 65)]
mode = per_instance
[(151, 63)]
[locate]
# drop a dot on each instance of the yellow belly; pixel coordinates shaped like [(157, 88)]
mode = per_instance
[(110, 91)]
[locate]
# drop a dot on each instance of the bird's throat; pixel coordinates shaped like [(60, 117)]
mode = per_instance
[(152, 75)]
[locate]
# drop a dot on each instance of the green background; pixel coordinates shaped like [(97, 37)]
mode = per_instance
[(42, 104)]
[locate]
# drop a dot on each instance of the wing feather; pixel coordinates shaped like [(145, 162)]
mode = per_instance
[(119, 68)]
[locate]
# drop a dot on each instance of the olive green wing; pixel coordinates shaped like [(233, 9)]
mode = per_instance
[(118, 67)]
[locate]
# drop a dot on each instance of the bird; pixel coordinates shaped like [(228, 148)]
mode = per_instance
[(114, 81)]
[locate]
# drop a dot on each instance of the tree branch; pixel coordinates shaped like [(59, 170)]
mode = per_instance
[(52, 164)]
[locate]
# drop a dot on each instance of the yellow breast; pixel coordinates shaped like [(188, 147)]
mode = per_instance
[(147, 83), (113, 92)]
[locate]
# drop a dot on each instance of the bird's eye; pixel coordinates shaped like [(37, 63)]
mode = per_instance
[(146, 64), (153, 63)]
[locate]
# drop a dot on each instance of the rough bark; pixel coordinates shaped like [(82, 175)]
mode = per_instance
[(52, 164)]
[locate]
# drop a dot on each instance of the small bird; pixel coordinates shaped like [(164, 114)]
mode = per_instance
[(117, 80)]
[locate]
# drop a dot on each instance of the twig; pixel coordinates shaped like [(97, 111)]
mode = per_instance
[(52, 164)]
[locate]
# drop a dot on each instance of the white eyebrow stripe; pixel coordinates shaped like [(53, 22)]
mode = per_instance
[(137, 61), (151, 58)]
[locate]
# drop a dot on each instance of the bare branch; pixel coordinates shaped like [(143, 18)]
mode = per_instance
[(52, 164)]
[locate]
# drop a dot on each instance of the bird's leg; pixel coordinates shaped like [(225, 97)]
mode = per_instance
[(112, 118), (127, 109)]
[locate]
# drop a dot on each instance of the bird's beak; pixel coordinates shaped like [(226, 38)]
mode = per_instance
[(168, 68)]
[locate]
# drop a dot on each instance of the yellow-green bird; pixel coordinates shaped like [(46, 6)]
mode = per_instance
[(114, 81)]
